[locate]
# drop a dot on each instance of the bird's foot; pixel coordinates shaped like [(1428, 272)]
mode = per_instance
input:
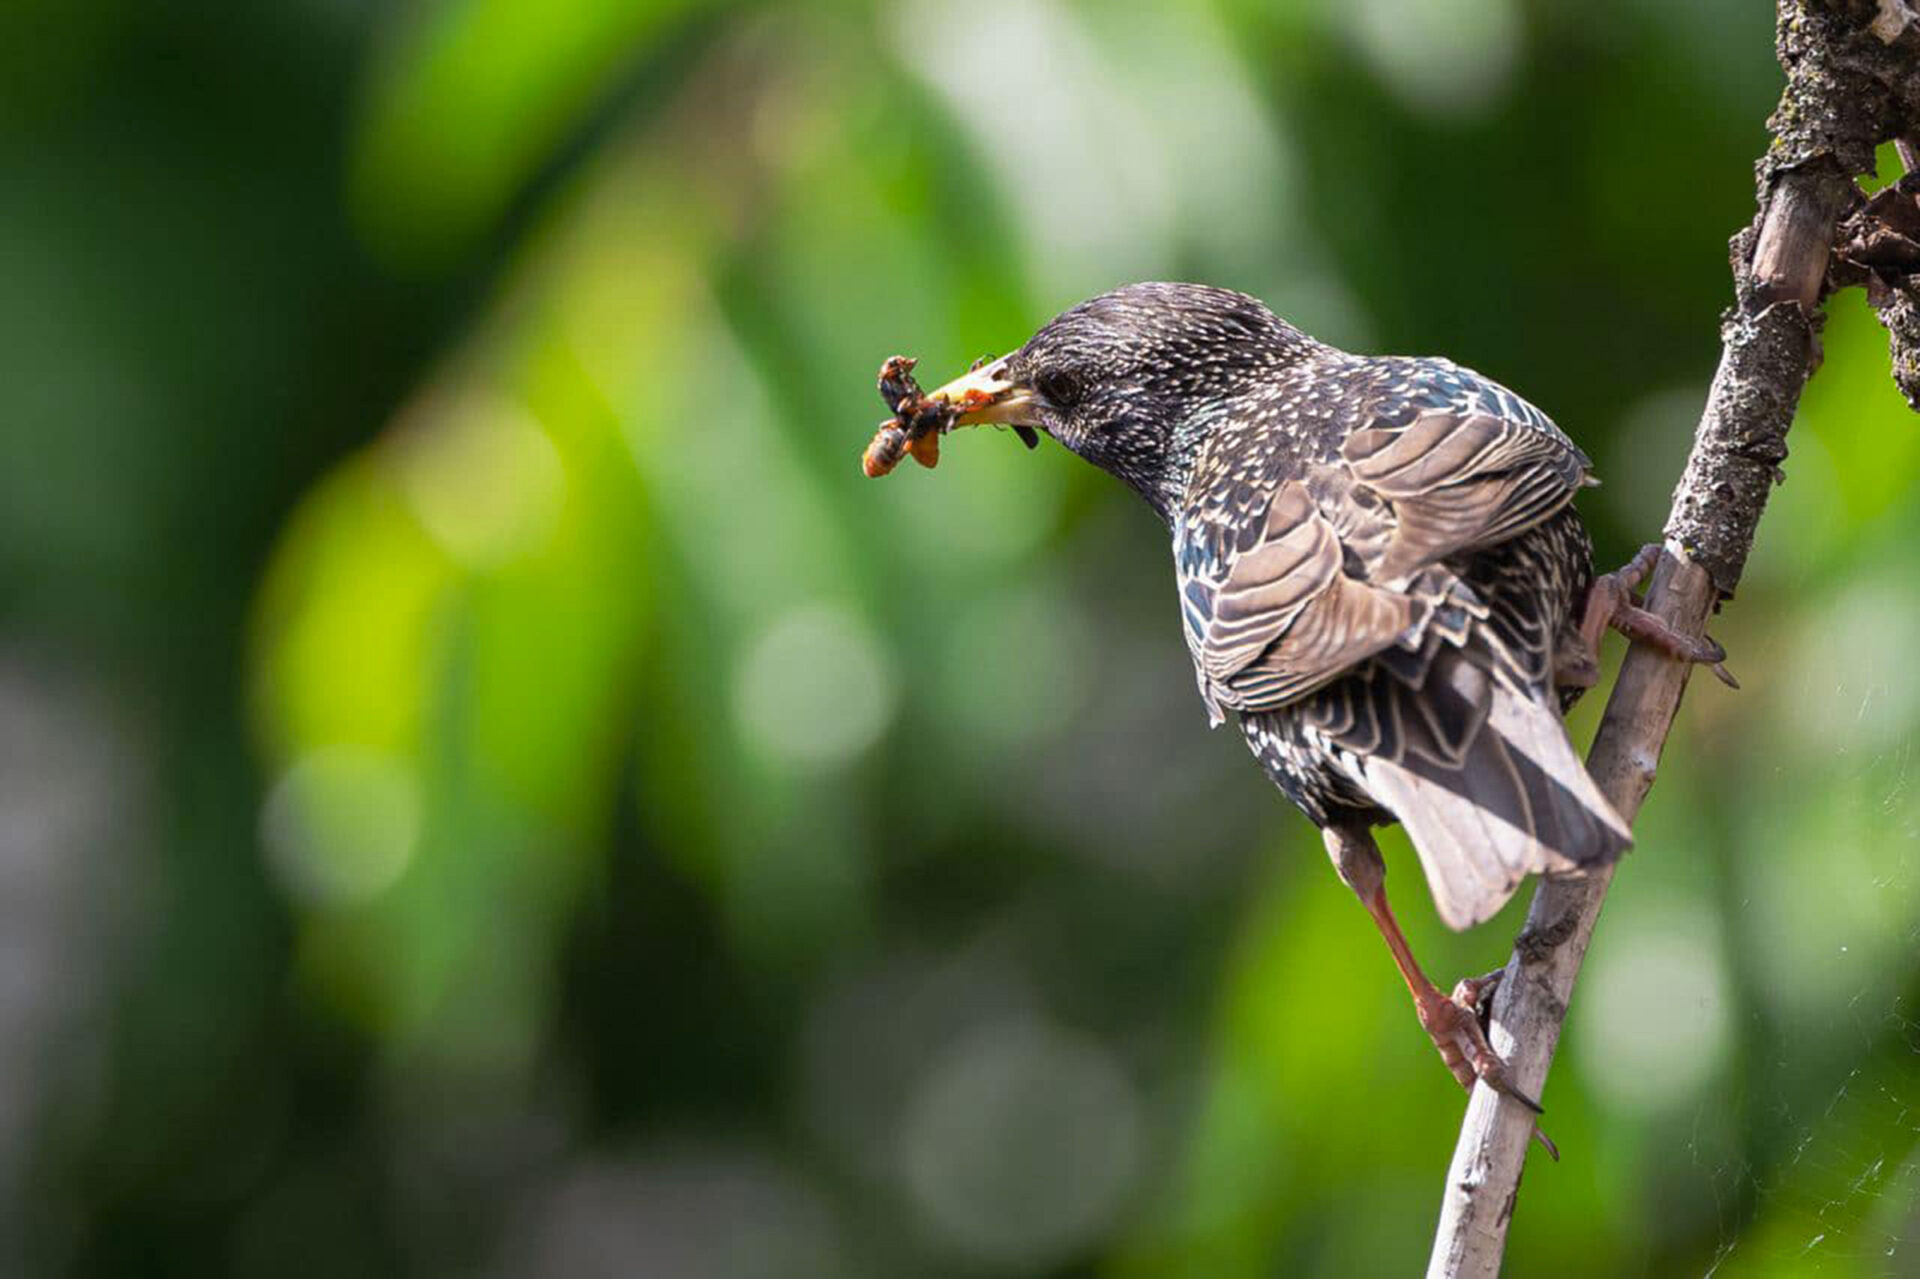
[(1457, 1024), (1612, 602), (1454, 1025)]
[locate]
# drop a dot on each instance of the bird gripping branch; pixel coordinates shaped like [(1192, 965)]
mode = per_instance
[(1380, 572)]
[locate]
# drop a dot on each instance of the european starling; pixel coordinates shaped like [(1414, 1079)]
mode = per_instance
[(1380, 572)]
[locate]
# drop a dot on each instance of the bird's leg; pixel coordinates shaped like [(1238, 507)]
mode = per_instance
[(1612, 601), (1452, 1023)]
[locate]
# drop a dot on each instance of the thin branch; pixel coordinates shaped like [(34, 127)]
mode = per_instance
[(1851, 84)]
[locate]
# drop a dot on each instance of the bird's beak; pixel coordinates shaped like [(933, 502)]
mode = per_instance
[(986, 394)]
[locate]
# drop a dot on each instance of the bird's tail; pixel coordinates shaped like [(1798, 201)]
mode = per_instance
[(1509, 799)]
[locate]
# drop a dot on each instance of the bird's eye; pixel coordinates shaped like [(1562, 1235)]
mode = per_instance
[(1060, 387)]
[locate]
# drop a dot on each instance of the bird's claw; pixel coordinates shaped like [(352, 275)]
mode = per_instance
[(1454, 1025), (1458, 1027), (1613, 602), (1638, 624), (1475, 994)]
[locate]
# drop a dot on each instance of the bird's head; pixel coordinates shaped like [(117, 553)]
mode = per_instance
[(1133, 380)]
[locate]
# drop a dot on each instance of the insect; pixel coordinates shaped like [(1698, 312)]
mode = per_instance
[(918, 420), (916, 424)]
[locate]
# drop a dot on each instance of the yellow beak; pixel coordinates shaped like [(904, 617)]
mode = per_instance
[(986, 395)]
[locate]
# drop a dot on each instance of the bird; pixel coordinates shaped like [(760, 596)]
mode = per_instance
[(1380, 573)]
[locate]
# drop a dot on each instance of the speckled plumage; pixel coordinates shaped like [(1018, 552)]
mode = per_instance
[(1378, 565)]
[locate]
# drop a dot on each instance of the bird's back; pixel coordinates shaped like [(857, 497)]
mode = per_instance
[(1379, 561)]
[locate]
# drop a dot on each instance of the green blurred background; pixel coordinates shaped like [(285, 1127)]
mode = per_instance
[(489, 789)]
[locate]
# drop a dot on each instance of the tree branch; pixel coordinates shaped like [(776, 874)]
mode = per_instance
[(1853, 79)]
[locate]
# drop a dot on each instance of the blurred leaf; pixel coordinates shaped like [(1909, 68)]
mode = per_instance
[(470, 97)]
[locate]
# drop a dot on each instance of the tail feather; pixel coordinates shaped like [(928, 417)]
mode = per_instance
[(1516, 801)]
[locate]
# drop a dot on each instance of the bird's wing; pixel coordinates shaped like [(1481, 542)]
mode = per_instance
[(1462, 463), (1270, 615), (1286, 586)]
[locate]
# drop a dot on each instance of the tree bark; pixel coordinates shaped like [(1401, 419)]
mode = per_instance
[(1853, 81)]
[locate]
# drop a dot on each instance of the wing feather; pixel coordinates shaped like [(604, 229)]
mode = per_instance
[(1458, 481), (1290, 582), (1281, 617)]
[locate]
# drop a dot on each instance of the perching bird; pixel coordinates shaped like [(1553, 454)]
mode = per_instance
[(1380, 571)]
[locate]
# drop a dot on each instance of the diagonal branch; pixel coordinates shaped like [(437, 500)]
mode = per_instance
[(1853, 81)]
